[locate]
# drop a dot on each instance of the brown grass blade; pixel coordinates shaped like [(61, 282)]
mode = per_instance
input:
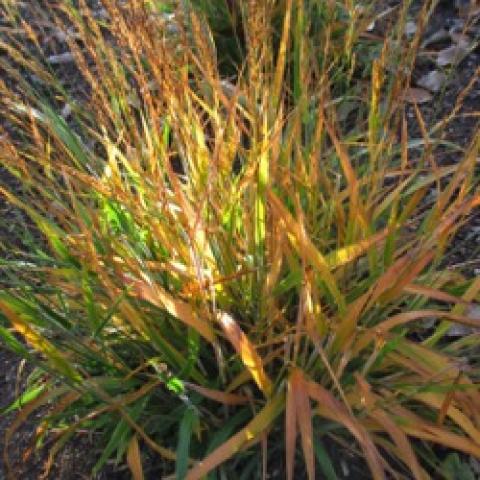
[(304, 418), (217, 395), (134, 459), (434, 294), (405, 450), (290, 429)]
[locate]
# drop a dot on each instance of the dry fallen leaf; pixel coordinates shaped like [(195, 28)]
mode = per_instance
[(432, 81), (437, 36), (459, 38), (417, 95), (451, 55)]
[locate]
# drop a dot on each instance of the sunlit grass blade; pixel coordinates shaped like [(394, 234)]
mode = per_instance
[(251, 433), (247, 352)]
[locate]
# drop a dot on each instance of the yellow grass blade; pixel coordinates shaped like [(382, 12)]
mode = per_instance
[(251, 433), (436, 401), (250, 358), (39, 342), (350, 253)]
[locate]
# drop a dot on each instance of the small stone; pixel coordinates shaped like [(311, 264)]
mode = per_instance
[(417, 95), (432, 81), (410, 29), (450, 55), (462, 40), (61, 58)]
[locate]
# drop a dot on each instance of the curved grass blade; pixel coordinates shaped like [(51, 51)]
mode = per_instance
[(251, 433), (247, 352), (159, 297), (134, 459), (329, 407)]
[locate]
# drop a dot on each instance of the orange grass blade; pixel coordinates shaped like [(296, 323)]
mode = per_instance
[(349, 321), (404, 447), (250, 358), (330, 407), (405, 317), (468, 297), (415, 426), (134, 459), (159, 297), (356, 209)]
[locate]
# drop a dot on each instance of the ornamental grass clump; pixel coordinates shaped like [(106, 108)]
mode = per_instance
[(225, 270)]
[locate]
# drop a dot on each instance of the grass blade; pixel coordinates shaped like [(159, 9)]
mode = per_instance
[(251, 433), (187, 425)]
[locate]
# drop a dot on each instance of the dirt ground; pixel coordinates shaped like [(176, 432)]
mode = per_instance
[(77, 458)]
